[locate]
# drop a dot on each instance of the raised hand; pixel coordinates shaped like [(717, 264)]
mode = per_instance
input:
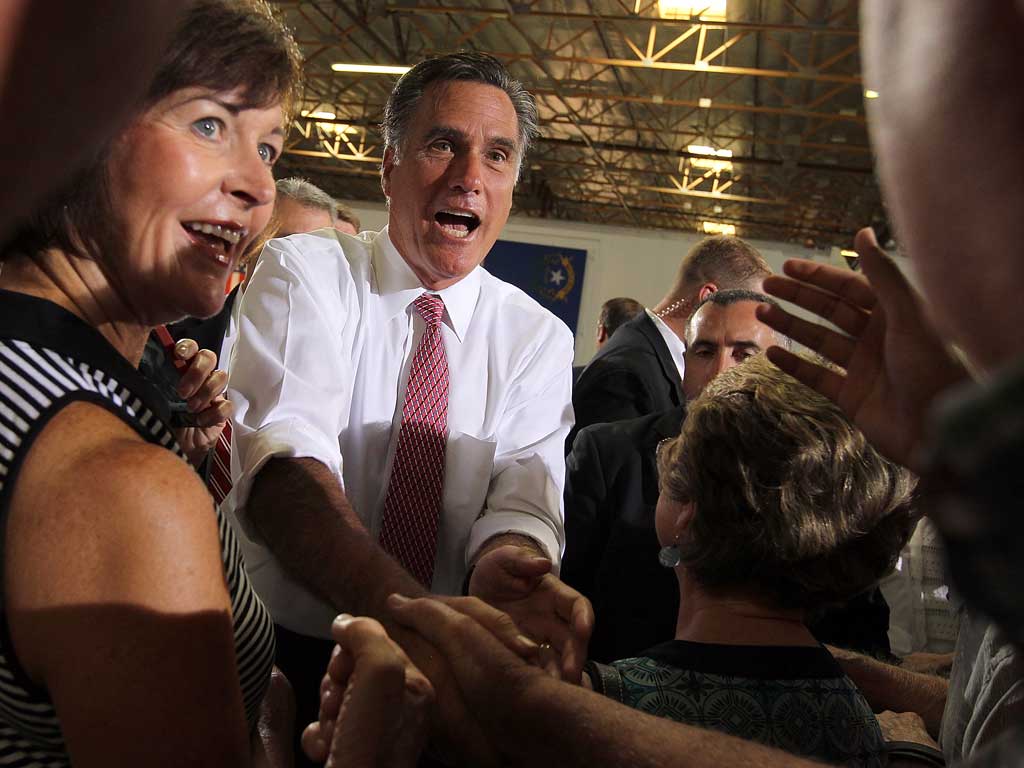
[(374, 702), (202, 387), (895, 363), (514, 580)]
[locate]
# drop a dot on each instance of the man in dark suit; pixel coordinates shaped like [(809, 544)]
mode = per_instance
[(639, 370), (611, 489)]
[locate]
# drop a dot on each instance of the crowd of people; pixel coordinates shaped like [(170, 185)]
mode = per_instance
[(361, 510)]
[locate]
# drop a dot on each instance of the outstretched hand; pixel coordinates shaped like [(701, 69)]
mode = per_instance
[(515, 580), (895, 362)]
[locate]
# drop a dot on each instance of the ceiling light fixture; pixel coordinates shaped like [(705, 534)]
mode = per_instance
[(370, 69), (711, 158), (870, 94), (717, 228), (704, 10), (319, 115)]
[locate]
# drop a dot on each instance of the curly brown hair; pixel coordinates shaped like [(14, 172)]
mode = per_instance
[(791, 502)]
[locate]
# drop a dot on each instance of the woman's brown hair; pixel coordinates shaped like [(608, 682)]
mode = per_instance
[(790, 501)]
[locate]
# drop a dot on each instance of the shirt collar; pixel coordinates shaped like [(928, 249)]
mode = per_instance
[(675, 345), (398, 287)]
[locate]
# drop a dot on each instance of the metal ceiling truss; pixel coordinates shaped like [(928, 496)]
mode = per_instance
[(622, 96)]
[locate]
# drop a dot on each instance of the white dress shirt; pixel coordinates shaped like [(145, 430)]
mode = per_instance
[(326, 338), (675, 345), (227, 347)]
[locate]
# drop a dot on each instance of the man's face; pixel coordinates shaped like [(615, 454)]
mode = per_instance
[(719, 338), (450, 192), (293, 218)]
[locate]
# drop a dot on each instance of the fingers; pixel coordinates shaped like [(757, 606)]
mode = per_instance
[(201, 382), (216, 413), (314, 743), (457, 635), (826, 342), (578, 614), (547, 659), (828, 383), (830, 306), (375, 692), (185, 349), (499, 623), (520, 561), (507, 572), (843, 283)]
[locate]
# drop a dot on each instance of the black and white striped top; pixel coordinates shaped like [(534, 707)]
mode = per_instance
[(48, 359)]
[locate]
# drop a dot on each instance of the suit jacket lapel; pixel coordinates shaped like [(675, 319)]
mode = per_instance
[(650, 331)]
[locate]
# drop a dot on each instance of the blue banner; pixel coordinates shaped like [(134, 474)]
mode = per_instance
[(552, 276)]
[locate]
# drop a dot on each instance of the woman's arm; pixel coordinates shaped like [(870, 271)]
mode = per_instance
[(117, 601)]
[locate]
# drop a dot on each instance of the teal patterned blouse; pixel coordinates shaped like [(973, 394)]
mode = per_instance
[(789, 697)]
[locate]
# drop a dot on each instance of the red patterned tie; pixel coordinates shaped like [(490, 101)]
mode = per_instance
[(413, 502), (218, 479)]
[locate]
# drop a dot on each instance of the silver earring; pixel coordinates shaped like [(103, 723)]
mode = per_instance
[(669, 556)]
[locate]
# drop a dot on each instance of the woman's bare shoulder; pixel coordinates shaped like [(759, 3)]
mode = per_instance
[(99, 513)]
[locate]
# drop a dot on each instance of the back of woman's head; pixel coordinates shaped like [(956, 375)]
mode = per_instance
[(791, 502), (223, 45)]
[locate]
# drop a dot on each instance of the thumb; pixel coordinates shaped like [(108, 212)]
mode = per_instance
[(520, 561), (186, 349), (896, 295)]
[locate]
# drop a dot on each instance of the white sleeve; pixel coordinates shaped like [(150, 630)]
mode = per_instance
[(290, 379), (525, 494)]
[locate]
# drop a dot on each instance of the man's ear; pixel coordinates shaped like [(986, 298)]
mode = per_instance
[(602, 334), (706, 290), (385, 171)]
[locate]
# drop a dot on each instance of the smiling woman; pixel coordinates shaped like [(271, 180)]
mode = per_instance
[(125, 605)]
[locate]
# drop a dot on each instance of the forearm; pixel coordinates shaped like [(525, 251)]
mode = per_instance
[(320, 540), (556, 722), (887, 687)]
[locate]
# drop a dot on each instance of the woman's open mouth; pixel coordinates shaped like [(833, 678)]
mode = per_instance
[(219, 240)]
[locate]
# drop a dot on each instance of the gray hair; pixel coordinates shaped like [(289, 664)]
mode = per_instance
[(464, 66), (306, 194), (733, 296), (343, 213)]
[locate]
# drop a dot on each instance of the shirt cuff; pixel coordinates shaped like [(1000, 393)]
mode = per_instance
[(496, 523)]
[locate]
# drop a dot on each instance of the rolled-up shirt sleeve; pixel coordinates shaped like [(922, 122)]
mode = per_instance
[(290, 381), (525, 494)]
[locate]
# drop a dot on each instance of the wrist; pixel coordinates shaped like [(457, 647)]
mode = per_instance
[(520, 540)]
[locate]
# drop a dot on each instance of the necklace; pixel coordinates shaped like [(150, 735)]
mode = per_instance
[(671, 308)]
